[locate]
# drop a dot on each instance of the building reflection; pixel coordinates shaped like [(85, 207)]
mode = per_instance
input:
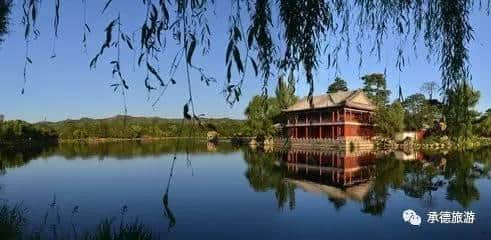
[(340, 175), (332, 168)]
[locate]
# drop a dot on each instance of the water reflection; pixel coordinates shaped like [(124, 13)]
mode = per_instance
[(146, 178), (368, 178), (119, 150), (341, 176)]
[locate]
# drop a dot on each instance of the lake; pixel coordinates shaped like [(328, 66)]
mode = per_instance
[(195, 190)]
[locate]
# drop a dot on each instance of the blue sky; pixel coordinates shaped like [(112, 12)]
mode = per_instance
[(64, 87)]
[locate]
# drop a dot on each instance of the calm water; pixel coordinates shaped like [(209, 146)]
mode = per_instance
[(225, 192)]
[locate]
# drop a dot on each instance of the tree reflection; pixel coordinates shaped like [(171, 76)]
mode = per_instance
[(21, 155), (389, 173), (462, 175), (418, 178), (264, 174)]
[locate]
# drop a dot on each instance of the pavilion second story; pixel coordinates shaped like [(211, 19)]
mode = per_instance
[(340, 108)]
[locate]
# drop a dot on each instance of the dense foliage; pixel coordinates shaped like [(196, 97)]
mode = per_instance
[(459, 111), (143, 127), (339, 84), (483, 124), (19, 132), (375, 87), (264, 112), (285, 91), (421, 113), (389, 119)]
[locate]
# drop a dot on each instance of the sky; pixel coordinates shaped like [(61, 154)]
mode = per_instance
[(65, 87)]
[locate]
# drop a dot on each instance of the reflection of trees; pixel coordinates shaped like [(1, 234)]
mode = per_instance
[(120, 150), (417, 179), (129, 149), (264, 175), (389, 173), (420, 180), (461, 175), (21, 155)]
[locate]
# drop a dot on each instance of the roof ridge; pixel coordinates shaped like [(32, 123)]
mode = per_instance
[(352, 95)]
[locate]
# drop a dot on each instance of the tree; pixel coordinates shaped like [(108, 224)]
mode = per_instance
[(483, 125), (339, 84), (419, 113), (285, 92), (459, 111), (430, 88), (261, 113), (389, 120), (375, 87)]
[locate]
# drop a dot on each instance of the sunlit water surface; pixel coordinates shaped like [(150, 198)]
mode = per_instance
[(226, 192)]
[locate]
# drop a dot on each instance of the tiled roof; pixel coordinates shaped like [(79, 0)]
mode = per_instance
[(355, 99)]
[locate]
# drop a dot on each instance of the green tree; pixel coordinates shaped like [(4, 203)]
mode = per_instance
[(483, 124), (389, 120), (261, 113), (459, 112), (375, 87), (285, 91), (419, 113), (339, 84)]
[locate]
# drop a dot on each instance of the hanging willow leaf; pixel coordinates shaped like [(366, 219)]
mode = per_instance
[(173, 81), (237, 59), (147, 84), (155, 73), (191, 48), (87, 27), (56, 22), (93, 62), (229, 72), (186, 112), (140, 59), (254, 65), (128, 42), (108, 30), (28, 60), (106, 5), (229, 51)]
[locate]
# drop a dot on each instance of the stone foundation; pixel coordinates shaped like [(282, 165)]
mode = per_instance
[(345, 144)]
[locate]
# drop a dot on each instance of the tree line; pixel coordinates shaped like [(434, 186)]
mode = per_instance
[(17, 131), (123, 127)]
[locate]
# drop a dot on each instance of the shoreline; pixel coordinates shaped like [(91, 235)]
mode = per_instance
[(103, 140)]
